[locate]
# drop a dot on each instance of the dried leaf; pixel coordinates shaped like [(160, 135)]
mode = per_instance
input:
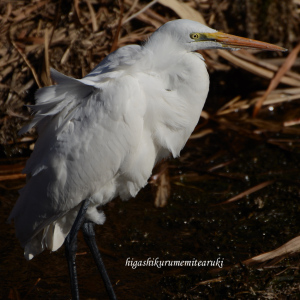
[(140, 11), (292, 122), (14, 294), (23, 13), (246, 55), (205, 282), (161, 182), (20, 51), (7, 14), (291, 247), (117, 33), (46, 70), (183, 10), (12, 177), (201, 134), (257, 70), (230, 103), (248, 192), (93, 16), (276, 80), (222, 165)]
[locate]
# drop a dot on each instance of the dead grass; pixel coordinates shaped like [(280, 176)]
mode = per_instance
[(75, 36)]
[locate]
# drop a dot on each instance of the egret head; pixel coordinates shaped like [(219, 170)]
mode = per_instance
[(191, 36)]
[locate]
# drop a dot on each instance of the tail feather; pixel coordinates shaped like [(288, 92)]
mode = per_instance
[(39, 225)]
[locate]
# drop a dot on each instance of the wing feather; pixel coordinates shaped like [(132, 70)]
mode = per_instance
[(83, 141), (100, 137)]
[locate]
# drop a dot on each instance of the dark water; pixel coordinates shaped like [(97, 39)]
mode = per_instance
[(191, 226)]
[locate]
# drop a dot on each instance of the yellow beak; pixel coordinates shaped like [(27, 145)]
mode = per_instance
[(232, 41)]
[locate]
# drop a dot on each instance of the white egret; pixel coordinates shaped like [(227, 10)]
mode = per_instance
[(100, 136)]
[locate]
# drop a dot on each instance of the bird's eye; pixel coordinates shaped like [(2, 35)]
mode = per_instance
[(194, 35)]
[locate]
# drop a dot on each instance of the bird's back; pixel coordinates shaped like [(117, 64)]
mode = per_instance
[(100, 137)]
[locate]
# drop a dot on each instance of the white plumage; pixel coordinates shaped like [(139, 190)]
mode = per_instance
[(100, 136)]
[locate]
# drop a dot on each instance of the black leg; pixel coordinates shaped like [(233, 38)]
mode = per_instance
[(71, 248), (89, 236)]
